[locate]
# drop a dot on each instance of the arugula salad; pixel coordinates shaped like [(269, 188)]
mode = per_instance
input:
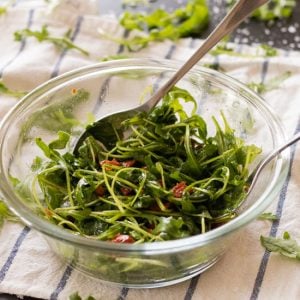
[(167, 180)]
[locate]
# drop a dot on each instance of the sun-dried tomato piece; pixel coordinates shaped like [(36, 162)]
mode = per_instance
[(128, 163), (123, 238), (178, 189), (125, 191), (108, 162), (100, 190)]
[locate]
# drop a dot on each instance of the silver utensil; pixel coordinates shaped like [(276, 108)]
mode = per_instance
[(106, 125), (253, 177)]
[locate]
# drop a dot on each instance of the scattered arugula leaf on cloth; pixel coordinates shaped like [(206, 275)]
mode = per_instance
[(43, 35), (160, 25), (3, 10), (6, 214), (76, 296), (268, 216), (134, 3), (273, 83), (7, 91), (285, 245), (226, 48), (274, 9)]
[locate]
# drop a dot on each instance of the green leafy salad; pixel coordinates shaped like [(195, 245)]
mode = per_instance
[(167, 180)]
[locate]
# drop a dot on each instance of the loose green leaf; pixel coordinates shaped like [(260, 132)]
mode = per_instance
[(6, 91), (224, 48), (134, 3), (271, 84), (44, 36), (114, 57), (6, 214), (284, 246), (268, 50), (274, 9), (160, 25), (268, 216), (76, 296), (3, 10)]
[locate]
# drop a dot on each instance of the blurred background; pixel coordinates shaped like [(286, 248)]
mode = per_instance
[(280, 32)]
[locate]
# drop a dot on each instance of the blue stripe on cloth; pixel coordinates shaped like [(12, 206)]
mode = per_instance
[(264, 70), (171, 50), (192, 287), (275, 225), (62, 283), (23, 43), (13, 253), (123, 294), (64, 52)]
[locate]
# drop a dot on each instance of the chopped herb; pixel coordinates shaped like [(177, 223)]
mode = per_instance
[(268, 216), (76, 296), (268, 50), (114, 57), (44, 35), (225, 48), (134, 3), (5, 90), (273, 83), (274, 9), (3, 10), (167, 180), (160, 25), (285, 245), (6, 214)]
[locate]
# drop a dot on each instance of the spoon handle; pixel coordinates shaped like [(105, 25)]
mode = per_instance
[(241, 10)]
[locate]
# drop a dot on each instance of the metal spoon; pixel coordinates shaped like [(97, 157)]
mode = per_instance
[(253, 177), (104, 129)]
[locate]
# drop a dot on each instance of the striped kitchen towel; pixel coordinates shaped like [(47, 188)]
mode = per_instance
[(247, 271)]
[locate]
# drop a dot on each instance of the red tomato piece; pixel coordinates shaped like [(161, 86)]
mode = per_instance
[(178, 189), (123, 238), (128, 163), (100, 190), (113, 162), (126, 191)]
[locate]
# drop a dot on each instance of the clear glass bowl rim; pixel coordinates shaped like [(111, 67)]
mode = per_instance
[(51, 230)]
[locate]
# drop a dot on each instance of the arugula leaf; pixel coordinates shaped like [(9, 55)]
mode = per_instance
[(5, 90), (285, 245), (76, 296), (268, 216), (160, 25), (272, 84), (44, 35), (225, 48), (268, 50), (114, 57), (134, 3), (171, 228), (3, 10), (274, 9), (58, 116), (6, 214)]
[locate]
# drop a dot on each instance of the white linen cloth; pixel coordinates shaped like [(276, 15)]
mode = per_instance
[(247, 271)]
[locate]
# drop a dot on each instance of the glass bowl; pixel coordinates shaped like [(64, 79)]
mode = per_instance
[(70, 101)]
